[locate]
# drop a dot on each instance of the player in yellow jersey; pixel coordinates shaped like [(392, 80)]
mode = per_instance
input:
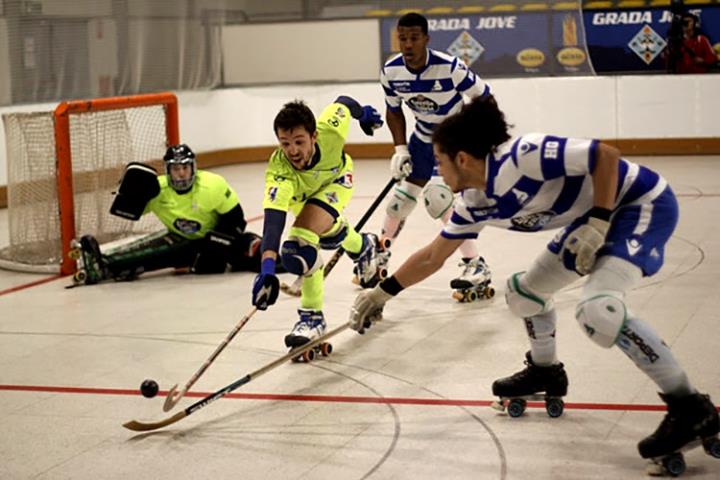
[(311, 176), (205, 223)]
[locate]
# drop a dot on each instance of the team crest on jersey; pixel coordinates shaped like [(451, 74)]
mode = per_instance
[(345, 180), (527, 147), (272, 193), (533, 222), (187, 226), (423, 104), (331, 197)]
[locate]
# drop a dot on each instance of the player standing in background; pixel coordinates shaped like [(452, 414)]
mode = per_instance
[(616, 216), (312, 177), (432, 84), (205, 223)]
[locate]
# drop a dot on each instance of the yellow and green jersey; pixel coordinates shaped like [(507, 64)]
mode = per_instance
[(286, 187), (194, 213)]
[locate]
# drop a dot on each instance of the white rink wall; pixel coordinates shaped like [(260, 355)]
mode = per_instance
[(622, 107)]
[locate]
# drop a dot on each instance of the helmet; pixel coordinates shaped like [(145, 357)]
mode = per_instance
[(180, 155)]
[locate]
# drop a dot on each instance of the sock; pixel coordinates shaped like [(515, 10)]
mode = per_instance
[(311, 293), (541, 332), (352, 242)]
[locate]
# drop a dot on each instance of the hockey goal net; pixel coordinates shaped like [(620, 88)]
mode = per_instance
[(63, 167)]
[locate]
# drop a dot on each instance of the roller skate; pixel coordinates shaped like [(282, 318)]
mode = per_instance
[(310, 326), (91, 267), (473, 282), (548, 384), (691, 421), (368, 270)]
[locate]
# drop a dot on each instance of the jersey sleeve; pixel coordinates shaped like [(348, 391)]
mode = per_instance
[(335, 118), (544, 157), (467, 82), (464, 222), (228, 197), (392, 99), (279, 188)]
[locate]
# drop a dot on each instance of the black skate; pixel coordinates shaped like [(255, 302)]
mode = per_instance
[(474, 281), (533, 383), (90, 263), (691, 421), (371, 263)]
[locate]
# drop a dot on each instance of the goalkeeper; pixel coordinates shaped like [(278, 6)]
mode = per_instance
[(205, 223)]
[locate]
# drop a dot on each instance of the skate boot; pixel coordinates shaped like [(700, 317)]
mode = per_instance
[(91, 267), (473, 282), (533, 383), (367, 271), (691, 421), (310, 326)]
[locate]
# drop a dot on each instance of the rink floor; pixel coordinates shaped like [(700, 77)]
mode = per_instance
[(408, 400)]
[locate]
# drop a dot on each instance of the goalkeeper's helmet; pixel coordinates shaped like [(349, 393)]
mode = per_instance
[(180, 155)]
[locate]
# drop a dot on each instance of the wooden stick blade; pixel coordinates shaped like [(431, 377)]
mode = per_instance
[(172, 398), (136, 426)]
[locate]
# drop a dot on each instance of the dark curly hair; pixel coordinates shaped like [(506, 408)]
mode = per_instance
[(295, 114), (413, 19), (478, 129)]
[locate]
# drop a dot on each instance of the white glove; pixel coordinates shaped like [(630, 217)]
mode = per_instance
[(585, 241), (368, 308), (400, 163)]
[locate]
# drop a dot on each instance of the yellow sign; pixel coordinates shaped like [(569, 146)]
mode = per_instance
[(571, 57), (530, 57)]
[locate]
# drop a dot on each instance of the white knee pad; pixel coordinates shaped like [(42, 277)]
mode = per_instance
[(522, 301), (601, 317), (438, 199), (403, 201)]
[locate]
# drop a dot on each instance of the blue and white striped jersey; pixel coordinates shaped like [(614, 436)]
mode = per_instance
[(433, 93), (540, 182)]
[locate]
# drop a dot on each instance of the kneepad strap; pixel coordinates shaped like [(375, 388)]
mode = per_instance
[(602, 317)]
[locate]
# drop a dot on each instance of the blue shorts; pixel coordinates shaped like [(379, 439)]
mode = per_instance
[(423, 159), (638, 233)]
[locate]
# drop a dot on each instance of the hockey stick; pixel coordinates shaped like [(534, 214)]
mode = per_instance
[(294, 289), (173, 397), (148, 426)]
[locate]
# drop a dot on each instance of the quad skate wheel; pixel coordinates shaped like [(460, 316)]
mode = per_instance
[(489, 292), (382, 273), (80, 276), (516, 407), (674, 464), (712, 446), (308, 356), (458, 296), (554, 407), (74, 254), (471, 296), (326, 349), (384, 243)]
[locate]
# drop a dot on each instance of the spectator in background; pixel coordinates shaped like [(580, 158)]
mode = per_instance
[(691, 52)]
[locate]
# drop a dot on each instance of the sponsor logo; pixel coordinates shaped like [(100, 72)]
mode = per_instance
[(340, 112), (527, 147), (638, 340), (550, 150), (533, 222), (448, 24), (331, 197), (272, 193), (466, 48), (633, 246), (530, 57), (345, 180), (436, 86), (521, 196), (423, 104), (187, 226), (622, 18), (647, 44), (571, 57), (654, 253), (463, 23)]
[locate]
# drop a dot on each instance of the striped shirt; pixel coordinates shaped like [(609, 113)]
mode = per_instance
[(540, 182), (434, 92)]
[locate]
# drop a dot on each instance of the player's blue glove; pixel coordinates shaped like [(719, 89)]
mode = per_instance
[(266, 286), (370, 120)]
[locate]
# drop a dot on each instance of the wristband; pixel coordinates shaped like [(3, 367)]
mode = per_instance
[(601, 213), (268, 266), (391, 286)]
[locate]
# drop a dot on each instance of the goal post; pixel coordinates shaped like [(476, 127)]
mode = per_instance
[(64, 165)]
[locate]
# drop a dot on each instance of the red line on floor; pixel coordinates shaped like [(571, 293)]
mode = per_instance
[(28, 285), (334, 398)]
